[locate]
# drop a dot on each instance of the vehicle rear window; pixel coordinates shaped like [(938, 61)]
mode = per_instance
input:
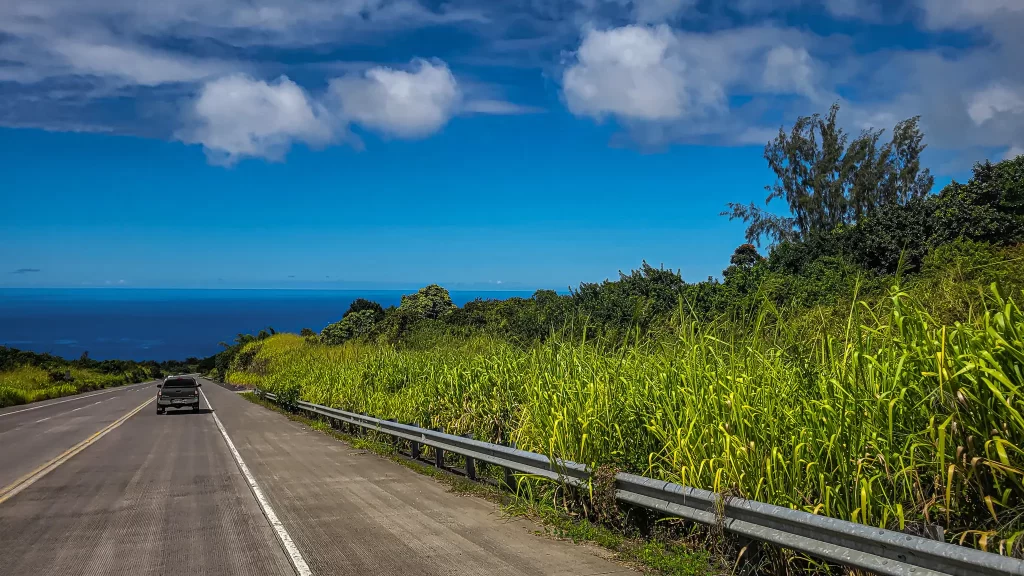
[(179, 384)]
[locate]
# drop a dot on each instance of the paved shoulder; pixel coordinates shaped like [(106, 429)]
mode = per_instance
[(352, 512)]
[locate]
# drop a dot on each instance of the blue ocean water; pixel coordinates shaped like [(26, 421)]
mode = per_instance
[(137, 324)]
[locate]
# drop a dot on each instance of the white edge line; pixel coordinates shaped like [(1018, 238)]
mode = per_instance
[(301, 568), (115, 389)]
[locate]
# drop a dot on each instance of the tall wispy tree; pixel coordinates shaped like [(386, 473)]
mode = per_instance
[(827, 181)]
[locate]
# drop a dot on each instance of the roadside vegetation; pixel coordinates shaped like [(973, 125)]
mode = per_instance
[(867, 366), (29, 377)]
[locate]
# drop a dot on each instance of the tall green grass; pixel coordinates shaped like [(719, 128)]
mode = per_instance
[(26, 384), (880, 415)]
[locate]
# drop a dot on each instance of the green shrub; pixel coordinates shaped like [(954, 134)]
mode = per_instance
[(353, 325)]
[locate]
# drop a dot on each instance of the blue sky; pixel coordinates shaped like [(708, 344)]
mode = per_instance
[(391, 143)]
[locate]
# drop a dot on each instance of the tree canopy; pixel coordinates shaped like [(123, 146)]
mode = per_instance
[(431, 302), (827, 181)]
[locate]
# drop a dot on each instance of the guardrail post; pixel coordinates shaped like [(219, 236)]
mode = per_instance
[(414, 447), (510, 479), (470, 464), (935, 532), (395, 440), (439, 453)]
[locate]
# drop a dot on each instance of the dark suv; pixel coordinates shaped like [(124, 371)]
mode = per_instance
[(177, 392)]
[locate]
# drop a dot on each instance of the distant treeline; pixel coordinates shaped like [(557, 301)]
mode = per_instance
[(58, 367), (29, 376)]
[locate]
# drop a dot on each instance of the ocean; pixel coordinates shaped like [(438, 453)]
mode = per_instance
[(139, 324)]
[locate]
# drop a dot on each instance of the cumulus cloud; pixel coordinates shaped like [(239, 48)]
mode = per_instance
[(404, 103), (645, 74), (238, 116), (994, 101), (790, 70), (1013, 152), (737, 85), (634, 72)]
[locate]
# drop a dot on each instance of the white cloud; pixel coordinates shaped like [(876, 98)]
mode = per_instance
[(238, 117), (653, 74), (109, 45), (633, 72), (965, 13), (736, 86), (1013, 152), (134, 65), (406, 104), (498, 107), (993, 101), (790, 70)]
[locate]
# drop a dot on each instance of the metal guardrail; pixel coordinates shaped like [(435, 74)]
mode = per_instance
[(855, 545)]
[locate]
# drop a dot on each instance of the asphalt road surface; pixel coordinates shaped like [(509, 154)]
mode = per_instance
[(100, 484)]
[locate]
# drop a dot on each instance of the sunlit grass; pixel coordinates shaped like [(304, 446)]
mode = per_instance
[(30, 384), (892, 419)]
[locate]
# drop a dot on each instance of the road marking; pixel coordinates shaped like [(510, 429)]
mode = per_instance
[(73, 399), (80, 407), (28, 479), (298, 563), (43, 419)]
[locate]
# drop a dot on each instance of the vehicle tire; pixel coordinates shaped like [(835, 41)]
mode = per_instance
[(159, 411)]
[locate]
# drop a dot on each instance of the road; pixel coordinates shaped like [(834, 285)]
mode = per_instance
[(100, 484)]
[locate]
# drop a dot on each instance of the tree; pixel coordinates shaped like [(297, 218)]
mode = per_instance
[(430, 302), (634, 301), (894, 237), (988, 208), (307, 333), (353, 325), (360, 304), (745, 256), (827, 183)]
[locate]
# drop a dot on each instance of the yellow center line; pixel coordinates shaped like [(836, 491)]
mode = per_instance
[(28, 479)]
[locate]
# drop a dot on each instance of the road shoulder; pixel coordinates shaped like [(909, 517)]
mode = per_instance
[(352, 512)]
